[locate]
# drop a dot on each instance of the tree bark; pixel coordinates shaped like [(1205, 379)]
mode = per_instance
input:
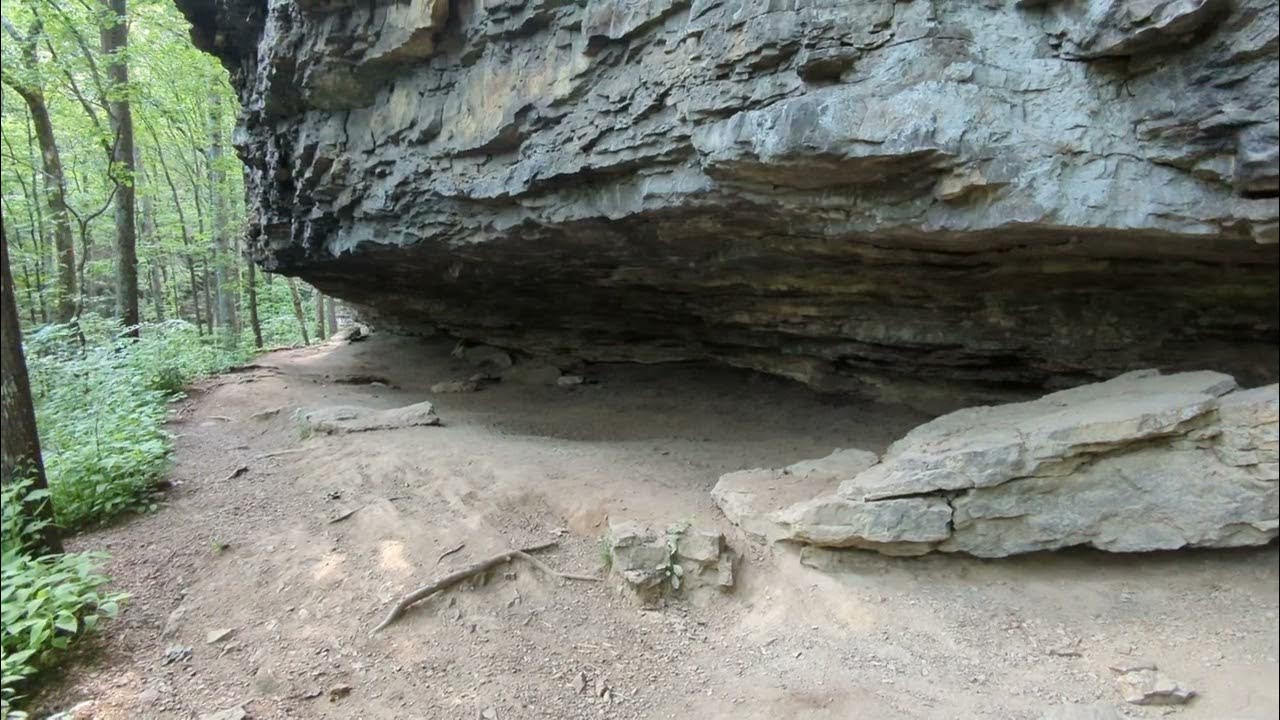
[(319, 316), (224, 263), (186, 231), (115, 45), (20, 442), (297, 310), (253, 305), (55, 185), (331, 314)]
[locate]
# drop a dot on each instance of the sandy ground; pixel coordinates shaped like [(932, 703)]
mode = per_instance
[(804, 635)]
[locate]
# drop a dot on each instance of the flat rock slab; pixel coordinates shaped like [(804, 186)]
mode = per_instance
[(348, 419), (751, 498), (1141, 462)]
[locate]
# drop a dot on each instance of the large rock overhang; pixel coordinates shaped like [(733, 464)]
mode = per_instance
[(879, 197)]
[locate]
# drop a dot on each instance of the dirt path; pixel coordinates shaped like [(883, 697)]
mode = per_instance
[(813, 635)]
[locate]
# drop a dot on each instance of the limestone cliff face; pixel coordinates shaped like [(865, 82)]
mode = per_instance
[(861, 194)]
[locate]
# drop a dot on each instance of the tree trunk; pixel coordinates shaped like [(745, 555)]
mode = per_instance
[(297, 310), (115, 45), (331, 314), (224, 261), (186, 231), (38, 219), (157, 291), (319, 316), (208, 296), (148, 234), (253, 305), (55, 185), (20, 442)]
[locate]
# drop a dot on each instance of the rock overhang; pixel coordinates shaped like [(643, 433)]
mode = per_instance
[(878, 197)]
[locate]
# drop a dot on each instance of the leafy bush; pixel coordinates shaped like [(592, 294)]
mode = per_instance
[(45, 603), (101, 402)]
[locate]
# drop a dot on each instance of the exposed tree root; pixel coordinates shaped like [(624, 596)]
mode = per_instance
[(458, 576)]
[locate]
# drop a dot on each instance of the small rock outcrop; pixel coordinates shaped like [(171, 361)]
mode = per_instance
[(883, 197), (1140, 462), (681, 559)]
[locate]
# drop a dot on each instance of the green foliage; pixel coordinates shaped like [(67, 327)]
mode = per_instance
[(46, 603), (101, 409)]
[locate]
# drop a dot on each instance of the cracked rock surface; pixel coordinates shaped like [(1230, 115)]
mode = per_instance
[(996, 198), (1140, 462)]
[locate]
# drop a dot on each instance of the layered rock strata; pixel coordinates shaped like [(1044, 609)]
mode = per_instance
[(1140, 462), (880, 196)]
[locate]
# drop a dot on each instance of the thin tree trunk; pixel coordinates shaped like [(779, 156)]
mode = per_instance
[(56, 198), (115, 45), (319, 316), (224, 267), (170, 279), (297, 310), (147, 234), (20, 442), (253, 305), (206, 286), (331, 314), (157, 291), (186, 231), (39, 223)]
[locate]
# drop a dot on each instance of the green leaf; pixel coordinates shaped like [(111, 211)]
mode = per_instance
[(66, 622)]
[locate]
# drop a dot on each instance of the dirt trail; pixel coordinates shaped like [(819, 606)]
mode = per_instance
[(805, 635)]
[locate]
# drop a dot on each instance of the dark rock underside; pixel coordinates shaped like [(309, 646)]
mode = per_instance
[(892, 198)]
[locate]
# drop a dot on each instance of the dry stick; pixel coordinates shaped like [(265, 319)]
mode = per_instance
[(450, 551), (454, 578), (552, 571), (345, 515), (280, 453)]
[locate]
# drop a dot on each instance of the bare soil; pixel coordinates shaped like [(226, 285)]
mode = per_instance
[(244, 541)]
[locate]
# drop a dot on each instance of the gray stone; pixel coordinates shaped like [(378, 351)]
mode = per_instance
[(1152, 687), (637, 554), (751, 499), (455, 386), (897, 526), (939, 203), (487, 358), (532, 372), (349, 419), (683, 558), (217, 635), (1137, 463)]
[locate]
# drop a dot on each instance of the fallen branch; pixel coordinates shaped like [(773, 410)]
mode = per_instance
[(450, 551), (280, 453), (458, 576), (345, 515), (552, 571)]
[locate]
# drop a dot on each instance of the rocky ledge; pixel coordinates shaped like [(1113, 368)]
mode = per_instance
[(1141, 462), (881, 196)]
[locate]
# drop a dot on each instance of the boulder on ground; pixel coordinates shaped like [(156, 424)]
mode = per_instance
[(348, 419), (1140, 462), (682, 558)]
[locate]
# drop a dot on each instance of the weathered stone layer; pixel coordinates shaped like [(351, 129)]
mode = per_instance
[(1140, 462), (873, 196)]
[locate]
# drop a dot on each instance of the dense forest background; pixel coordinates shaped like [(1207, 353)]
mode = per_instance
[(124, 280), (91, 123)]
